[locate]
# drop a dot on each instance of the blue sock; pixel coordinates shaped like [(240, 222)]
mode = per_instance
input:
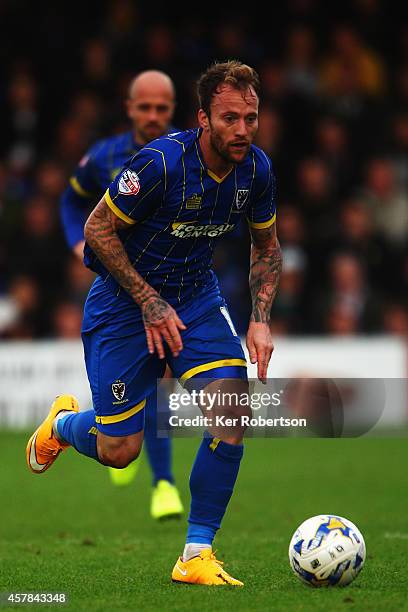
[(212, 481), (158, 449), (78, 429)]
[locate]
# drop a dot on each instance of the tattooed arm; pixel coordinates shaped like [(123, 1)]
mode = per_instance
[(266, 265), (160, 319), (265, 269)]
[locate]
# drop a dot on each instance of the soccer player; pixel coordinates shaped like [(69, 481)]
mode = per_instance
[(150, 107), (151, 239)]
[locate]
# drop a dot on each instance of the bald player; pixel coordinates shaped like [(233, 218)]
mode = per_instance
[(150, 107)]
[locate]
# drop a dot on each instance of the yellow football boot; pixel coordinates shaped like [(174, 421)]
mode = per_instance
[(43, 447), (124, 476), (204, 569), (166, 502)]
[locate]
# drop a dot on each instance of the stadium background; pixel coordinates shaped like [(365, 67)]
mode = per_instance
[(334, 118)]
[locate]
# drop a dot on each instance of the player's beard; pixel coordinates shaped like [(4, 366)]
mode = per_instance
[(224, 150), (151, 132)]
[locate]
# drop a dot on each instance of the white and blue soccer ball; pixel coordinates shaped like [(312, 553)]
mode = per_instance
[(327, 550)]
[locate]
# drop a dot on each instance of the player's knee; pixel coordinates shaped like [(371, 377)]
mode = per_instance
[(236, 419), (118, 458), (119, 455)]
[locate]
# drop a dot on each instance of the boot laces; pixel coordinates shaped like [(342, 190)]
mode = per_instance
[(215, 560)]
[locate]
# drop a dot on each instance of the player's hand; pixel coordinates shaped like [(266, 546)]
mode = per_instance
[(78, 249), (260, 347), (162, 321)]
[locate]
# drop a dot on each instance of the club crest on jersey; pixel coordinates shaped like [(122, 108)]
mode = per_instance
[(129, 183), (118, 389), (241, 198)]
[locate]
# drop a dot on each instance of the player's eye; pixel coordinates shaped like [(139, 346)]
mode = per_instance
[(162, 108), (143, 107)]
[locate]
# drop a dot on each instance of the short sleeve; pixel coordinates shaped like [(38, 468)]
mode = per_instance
[(261, 212), (85, 180), (138, 190)]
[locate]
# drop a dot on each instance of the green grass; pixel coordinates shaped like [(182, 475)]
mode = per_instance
[(71, 530)]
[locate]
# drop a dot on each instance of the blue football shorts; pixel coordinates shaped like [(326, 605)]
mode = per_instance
[(122, 373)]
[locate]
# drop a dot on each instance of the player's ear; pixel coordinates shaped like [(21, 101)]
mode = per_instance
[(203, 121)]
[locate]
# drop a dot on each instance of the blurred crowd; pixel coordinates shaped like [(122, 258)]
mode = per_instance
[(333, 118)]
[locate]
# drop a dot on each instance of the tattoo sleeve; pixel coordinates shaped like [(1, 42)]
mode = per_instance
[(265, 270), (101, 234)]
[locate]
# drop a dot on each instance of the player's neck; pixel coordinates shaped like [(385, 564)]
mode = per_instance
[(138, 139), (214, 162)]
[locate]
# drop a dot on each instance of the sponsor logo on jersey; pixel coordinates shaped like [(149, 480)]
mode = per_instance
[(189, 230), (193, 202), (129, 183)]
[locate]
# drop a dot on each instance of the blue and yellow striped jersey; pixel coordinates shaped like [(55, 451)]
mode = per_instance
[(176, 209), (91, 178), (100, 165)]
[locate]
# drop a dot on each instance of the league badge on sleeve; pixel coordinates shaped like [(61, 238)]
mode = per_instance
[(129, 183)]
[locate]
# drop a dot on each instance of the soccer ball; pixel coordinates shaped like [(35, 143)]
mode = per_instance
[(327, 550)]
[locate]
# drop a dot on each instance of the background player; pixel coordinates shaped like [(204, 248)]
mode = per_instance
[(147, 229), (150, 107)]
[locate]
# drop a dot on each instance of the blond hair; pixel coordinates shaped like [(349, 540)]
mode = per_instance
[(234, 73)]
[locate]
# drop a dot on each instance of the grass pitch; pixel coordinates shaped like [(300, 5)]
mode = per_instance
[(70, 530)]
